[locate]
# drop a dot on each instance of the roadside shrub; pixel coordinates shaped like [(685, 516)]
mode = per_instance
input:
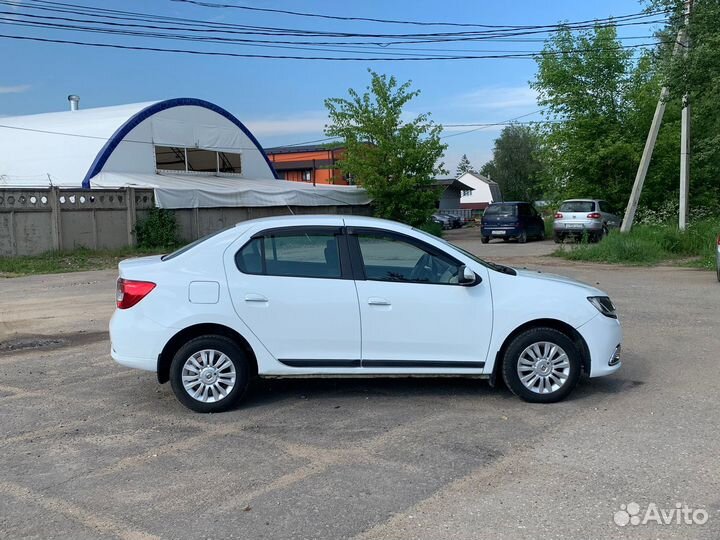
[(433, 228), (157, 230), (651, 244)]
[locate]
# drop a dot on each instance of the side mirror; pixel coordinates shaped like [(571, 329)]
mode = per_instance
[(467, 277)]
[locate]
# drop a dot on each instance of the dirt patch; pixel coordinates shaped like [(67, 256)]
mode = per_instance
[(33, 343)]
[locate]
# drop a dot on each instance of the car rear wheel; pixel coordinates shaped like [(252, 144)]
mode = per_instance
[(485, 239), (209, 374), (541, 236), (558, 239), (541, 365), (522, 238)]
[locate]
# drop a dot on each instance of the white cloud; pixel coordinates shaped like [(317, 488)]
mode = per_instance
[(498, 98), (307, 122), (17, 89)]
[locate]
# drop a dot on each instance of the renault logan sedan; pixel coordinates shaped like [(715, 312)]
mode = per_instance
[(319, 296)]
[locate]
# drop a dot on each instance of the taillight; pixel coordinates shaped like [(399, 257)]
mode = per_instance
[(130, 292), (718, 240), (594, 215), (558, 215)]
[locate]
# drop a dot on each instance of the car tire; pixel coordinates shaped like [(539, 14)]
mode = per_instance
[(485, 239), (718, 273), (522, 238), (208, 356), (558, 239), (541, 365), (541, 236)]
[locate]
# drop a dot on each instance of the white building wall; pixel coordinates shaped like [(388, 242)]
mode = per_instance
[(481, 192)]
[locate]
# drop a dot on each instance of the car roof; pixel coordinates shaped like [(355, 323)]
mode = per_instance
[(321, 219), (582, 200), (509, 202)]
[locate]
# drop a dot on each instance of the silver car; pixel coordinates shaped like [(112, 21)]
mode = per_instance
[(577, 217)]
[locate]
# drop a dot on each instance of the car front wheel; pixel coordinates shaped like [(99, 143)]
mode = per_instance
[(541, 365), (209, 374)]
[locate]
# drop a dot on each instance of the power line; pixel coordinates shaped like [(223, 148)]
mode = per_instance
[(485, 126), (374, 20), (290, 57)]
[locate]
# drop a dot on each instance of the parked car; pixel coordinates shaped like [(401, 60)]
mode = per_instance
[(443, 220), (285, 297), (511, 220), (447, 221), (578, 217)]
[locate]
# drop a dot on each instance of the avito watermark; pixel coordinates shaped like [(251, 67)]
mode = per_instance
[(681, 514)]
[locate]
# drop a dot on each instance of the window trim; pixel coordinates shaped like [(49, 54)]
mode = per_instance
[(336, 230), (358, 263)]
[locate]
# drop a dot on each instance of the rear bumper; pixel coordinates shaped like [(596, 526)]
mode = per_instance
[(603, 337), (135, 340), (577, 227), (500, 232)]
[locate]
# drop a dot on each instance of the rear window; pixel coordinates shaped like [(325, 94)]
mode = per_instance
[(577, 206), (191, 245), (501, 210)]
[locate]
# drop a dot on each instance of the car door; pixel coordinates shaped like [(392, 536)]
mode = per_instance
[(293, 288), (414, 313), (538, 223)]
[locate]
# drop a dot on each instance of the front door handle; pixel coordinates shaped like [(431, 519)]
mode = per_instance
[(252, 297), (375, 301)]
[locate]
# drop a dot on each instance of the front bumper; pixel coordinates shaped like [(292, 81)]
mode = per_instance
[(603, 337)]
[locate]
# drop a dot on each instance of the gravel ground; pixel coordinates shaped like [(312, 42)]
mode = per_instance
[(92, 449)]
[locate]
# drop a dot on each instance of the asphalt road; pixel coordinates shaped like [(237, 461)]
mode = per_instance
[(93, 449)]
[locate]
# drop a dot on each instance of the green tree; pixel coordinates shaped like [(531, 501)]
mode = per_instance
[(515, 165), (696, 74), (588, 149), (464, 166), (396, 161)]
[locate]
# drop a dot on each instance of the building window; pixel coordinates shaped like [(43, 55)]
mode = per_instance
[(196, 160), (307, 176), (170, 158), (467, 192)]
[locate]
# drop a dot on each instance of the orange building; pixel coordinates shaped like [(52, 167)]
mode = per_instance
[(313, 164)]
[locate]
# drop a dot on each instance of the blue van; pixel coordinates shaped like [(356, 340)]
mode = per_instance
[(516, 220)]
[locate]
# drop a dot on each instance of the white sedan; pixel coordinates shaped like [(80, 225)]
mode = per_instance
[(318, 296)]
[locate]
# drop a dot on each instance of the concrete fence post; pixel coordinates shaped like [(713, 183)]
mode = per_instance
[(55, 219), (131, 216)]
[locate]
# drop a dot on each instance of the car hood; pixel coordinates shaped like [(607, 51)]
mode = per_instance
[(555, 278)]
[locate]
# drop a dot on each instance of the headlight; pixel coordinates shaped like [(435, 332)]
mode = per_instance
[(603, 305)]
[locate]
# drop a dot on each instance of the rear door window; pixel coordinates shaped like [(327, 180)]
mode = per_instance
[(311, 254)]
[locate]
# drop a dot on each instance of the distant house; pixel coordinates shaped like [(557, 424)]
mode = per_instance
[(313, 164), (452, 188), (482, 192)]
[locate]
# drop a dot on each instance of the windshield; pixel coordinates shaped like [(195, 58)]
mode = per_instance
[(577, 206), (487, 264), (501, 210)]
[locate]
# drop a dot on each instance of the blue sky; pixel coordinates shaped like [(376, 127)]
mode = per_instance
[(282, 100)]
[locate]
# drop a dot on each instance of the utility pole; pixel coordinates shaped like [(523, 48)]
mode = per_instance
[(680, 43), (685, 137)]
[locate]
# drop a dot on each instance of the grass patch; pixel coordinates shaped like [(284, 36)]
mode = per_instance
[(76, 260), (651, 244)]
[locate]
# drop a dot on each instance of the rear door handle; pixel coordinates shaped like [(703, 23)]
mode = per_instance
[(375, 301), (252, 297)]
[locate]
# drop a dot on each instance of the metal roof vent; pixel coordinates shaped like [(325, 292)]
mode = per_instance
[(74, 102)]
